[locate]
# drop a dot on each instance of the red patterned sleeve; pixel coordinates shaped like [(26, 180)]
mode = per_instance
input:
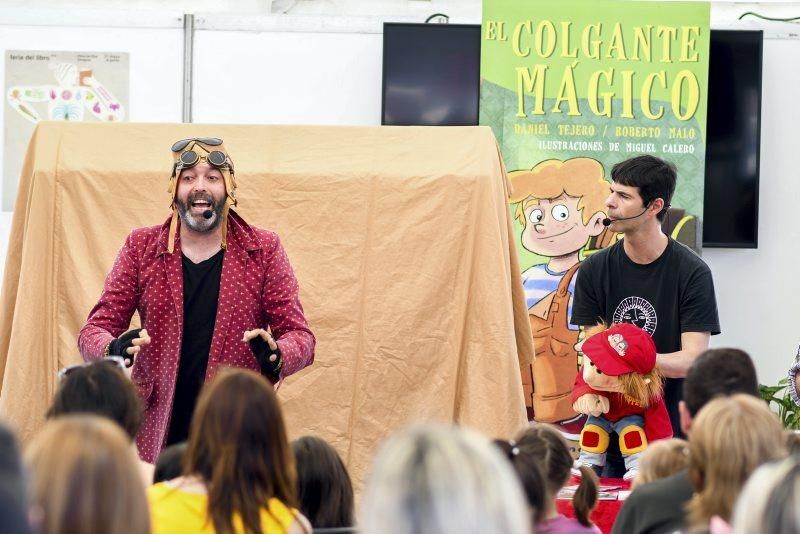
[(281, 305), (111, 316)]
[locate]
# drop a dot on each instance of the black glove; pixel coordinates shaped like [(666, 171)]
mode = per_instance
[(120, 346), (262, 352)]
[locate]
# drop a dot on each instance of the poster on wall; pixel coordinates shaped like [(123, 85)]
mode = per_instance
[(57, 85), (570, 88)]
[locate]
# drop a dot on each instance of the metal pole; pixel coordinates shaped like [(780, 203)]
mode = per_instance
[(188, 52)]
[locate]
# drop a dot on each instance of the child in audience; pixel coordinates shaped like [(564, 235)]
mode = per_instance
[(84, 478), (530, 476), (437, 479), (239, 473), (102, 388), (663, 458), (541, 447), (770, 501), (730, 438), (324, 487)]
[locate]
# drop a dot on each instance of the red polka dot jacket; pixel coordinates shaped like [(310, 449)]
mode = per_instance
[(257, 289)]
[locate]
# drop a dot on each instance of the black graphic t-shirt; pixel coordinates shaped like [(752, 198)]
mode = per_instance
[(671, 295)]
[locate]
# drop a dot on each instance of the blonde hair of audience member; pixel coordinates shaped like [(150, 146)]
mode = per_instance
[(544, 445), (730, 438), (770, 501), (84, 477), (663, 458), (442, 480), (239, 448)]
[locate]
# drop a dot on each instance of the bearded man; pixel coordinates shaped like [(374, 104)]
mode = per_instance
[(211, 291)]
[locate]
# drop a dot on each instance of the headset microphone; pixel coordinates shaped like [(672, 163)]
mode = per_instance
[(208, 214), (607, 221)]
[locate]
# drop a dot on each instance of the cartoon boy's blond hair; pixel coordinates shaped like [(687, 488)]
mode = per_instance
[(581, 178)]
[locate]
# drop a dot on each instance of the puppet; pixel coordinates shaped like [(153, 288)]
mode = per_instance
[(621, 390)]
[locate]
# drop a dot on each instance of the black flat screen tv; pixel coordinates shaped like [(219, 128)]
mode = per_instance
[(431, 74), (733, 139), (431, 77)]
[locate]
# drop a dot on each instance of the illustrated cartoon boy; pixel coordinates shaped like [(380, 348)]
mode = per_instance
[(560, 205)]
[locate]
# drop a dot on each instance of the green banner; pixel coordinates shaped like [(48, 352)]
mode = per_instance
[(570, 88), (606, 80)]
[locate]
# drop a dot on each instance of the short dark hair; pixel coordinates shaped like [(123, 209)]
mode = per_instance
[(718, 373), (170, 463), (100, 389), (324, 486), (654, 177)]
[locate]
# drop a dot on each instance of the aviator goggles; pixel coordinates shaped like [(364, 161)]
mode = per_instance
[(190, 158), (117, 361)]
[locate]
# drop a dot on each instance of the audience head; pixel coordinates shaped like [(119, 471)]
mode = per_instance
[(716, 372), (238, 447), (731, 437), (170, 463), (793, 441), (324, 487), (99, 388), (530, 477), (544, 446), (84, 477), (13, 505), (770, 501), (661, 459), (434, 479)]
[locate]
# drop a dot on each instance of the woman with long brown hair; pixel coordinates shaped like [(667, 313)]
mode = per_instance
[(238, 474)]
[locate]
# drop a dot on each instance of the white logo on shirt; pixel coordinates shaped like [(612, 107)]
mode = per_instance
[(638, 312)]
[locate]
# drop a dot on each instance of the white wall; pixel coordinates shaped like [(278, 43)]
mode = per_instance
[(758, 290), (322, 65)]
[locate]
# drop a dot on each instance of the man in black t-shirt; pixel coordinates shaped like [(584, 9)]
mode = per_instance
[(647, 278)]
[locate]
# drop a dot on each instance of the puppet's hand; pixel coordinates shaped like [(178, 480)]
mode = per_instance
[(591, 404), (266, 351)]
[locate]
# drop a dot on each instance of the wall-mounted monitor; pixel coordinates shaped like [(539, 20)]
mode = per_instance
[(733, 139), (431, 74)]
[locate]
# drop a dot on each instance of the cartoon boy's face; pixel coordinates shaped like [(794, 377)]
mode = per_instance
[(554, 227)]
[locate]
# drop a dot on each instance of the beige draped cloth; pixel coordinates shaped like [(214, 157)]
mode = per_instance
[(400, 239)]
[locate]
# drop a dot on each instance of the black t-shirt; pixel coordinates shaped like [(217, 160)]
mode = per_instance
[(671, 295), (200, 296)]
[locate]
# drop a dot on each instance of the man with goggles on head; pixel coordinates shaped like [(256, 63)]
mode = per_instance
[(211, 291)]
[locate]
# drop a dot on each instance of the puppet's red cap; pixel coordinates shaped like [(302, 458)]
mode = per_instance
[(623, 348)]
